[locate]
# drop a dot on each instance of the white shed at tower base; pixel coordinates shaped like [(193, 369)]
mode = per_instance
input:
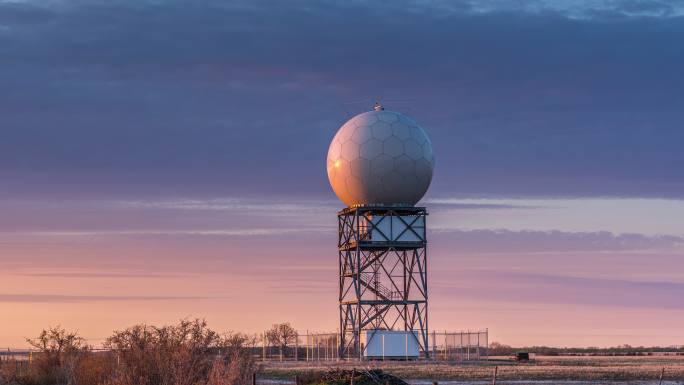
[(390, 344)]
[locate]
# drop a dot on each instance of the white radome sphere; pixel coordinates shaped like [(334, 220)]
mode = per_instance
[(380, 158)]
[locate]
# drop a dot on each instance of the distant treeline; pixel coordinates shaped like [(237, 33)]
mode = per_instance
[(497, 349)]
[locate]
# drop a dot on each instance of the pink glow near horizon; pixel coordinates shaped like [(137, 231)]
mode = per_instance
[(243, 265)]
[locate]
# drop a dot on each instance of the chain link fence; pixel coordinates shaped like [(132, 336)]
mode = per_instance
[(459, 346), (320, 347), (314, 346)]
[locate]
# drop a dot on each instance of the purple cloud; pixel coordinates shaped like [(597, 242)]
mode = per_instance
[(213, 98)]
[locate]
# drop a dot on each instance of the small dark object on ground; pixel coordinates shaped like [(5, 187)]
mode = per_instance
[(522, 356), (344, 377)]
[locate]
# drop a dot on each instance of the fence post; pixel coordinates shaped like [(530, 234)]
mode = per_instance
[(434, 345), (296, 347), (496, 369), (469, 344), (662, 373), (263, 348)]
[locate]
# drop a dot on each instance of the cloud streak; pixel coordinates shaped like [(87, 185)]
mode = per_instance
[(65, 298), (176, 98), (585, 10), (544, 241), (518, 287)]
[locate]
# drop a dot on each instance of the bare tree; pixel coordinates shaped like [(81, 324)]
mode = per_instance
[(187, 353), (235, 365), (281, 335), (59, 354)]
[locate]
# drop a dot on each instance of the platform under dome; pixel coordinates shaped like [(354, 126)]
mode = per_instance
[(380, 158)]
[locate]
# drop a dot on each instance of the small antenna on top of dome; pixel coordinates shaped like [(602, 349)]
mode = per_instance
[(378, 107)]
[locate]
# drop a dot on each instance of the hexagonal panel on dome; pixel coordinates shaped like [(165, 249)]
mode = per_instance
[(427, 152), (382, 165), (350, 150), (418, 135), (375, 192), (392, 146), (423, 169), (335, 149), (347, 133), (393, 182), (360, 168), (362, 135), (413, 149), (355, 121), (387, 116), (401, 131), (381, 130), (371, 149), (366, 119), (332, 174), (354, 187), (405, 165), (341, 166)]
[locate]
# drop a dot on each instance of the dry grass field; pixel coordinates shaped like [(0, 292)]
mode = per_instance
[(549, 370)]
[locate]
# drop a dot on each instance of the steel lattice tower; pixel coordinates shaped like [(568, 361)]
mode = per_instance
[(383, 274)]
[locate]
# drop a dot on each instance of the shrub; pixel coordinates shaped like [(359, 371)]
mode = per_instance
[(60, 355), (188, 353), (9, 371)]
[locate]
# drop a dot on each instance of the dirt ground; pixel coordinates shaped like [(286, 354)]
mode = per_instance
[(585, 369)]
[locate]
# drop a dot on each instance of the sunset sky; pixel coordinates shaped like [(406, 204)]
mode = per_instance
[(166, 159)]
